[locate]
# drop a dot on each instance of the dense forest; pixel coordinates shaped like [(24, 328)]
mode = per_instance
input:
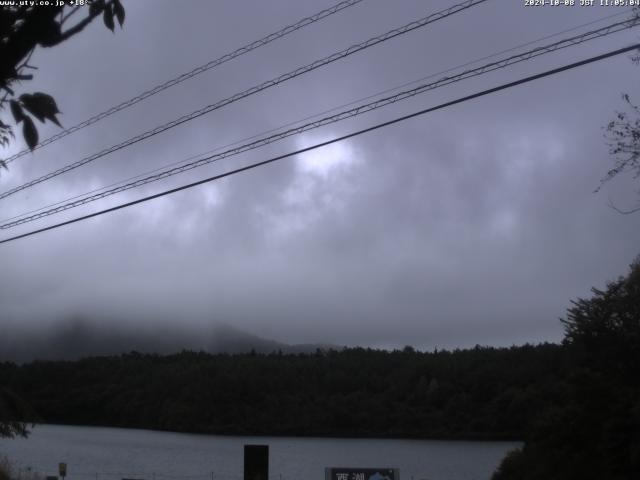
[(594, 433), (476, 393), (575, 405)]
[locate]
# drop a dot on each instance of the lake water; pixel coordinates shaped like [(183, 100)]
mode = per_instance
[(112, 454)]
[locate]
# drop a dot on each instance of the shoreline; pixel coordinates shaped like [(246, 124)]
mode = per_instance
[(470, 438)]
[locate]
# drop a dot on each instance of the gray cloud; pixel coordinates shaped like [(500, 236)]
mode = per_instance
[(476, 224)]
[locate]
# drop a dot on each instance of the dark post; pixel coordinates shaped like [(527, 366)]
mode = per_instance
[(256, 462)]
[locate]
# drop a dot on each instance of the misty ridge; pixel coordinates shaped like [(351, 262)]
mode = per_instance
[(78, 337)]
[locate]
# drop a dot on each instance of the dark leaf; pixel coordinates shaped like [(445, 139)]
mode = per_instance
[(118, 9), (107, 16), (49, 33), (3, 164), (55, 120), (96, 7), (16, 110), (41, 106), (30, 133)]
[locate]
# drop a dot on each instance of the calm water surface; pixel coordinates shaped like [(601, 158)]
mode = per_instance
[(112, 453)]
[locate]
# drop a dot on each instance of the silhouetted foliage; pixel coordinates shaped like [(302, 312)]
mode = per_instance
[(22, 29), (478, 393), (623, 135), (14, 415), (594, 432)]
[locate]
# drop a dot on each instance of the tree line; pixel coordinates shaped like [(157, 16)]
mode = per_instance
[(482, 392)]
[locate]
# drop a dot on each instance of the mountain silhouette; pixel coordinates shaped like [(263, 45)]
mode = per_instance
[(79, 337)]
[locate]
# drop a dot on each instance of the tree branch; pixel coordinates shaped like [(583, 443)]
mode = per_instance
[(78, 27), (68, 15), (610, 204)]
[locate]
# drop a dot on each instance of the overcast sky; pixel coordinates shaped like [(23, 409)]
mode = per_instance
[(471, 225)]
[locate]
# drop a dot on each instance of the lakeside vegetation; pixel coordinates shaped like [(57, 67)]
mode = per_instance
[(5, 469), (594, 433), (8, 472), (481, 393)]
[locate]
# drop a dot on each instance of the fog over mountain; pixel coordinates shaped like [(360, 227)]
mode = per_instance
[(78, 337)]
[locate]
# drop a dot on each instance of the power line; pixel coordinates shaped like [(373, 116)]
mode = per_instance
[(324, 112), (332, 119), (514, 59), (333, 109), (196, 71), (334, 140), (276, 81)]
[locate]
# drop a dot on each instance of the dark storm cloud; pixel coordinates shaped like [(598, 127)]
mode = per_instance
[(476, 224)]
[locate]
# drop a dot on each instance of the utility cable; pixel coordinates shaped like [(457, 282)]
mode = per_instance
[(359, 110), (316, 115), (263, 86), (196, 71), (334, 140)]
